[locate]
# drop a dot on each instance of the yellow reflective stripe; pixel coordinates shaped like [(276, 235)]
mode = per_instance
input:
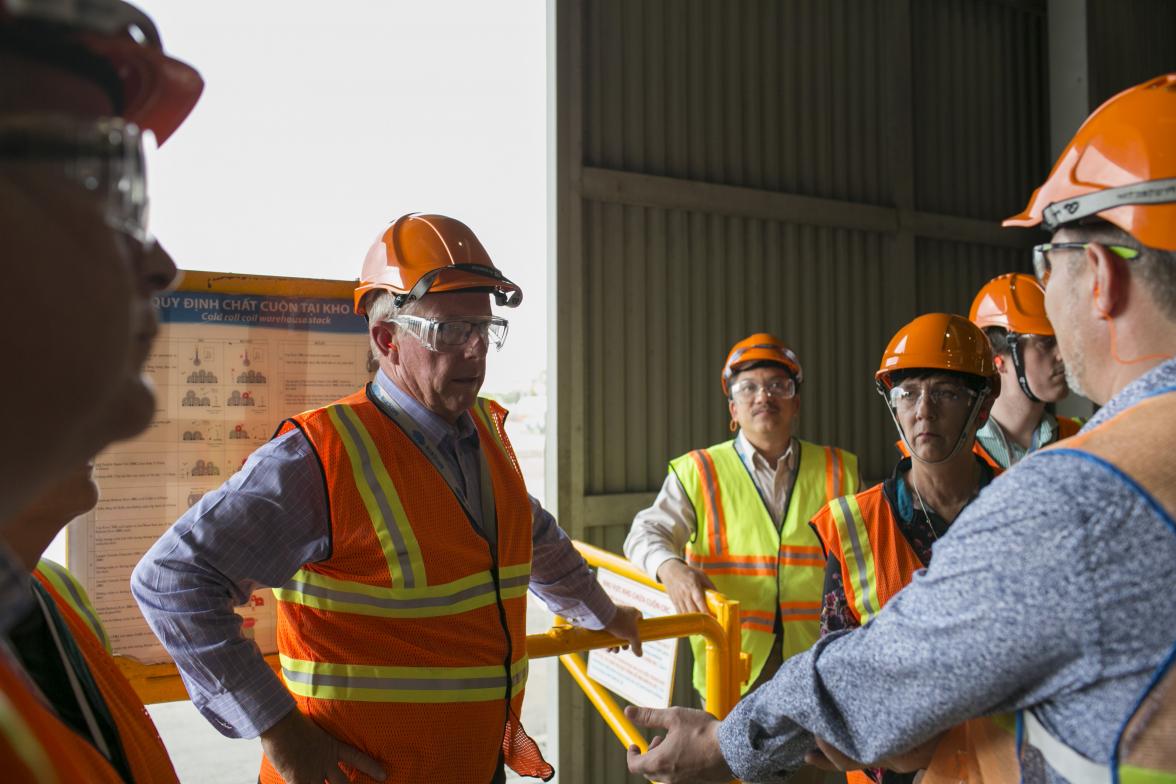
[(477, 590), (71, 590), (403, 553), (370, 683), (24, 744), (481, 412), (859, 556), (1131, 774)]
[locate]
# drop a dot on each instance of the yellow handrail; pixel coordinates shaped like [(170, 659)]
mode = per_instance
[(726, 666)]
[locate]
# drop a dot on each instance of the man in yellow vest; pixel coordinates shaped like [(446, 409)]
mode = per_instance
[(734, 517), (1011, 311), (1050, 598), (397, 530), (73, 218)]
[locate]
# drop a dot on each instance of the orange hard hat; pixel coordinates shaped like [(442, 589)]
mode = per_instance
[(938, 341), (158, 91), (1120, 166), (1015, 302), (760, 347), (421, 253)]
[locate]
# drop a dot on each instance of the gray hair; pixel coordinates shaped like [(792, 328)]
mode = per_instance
[(380, 306)]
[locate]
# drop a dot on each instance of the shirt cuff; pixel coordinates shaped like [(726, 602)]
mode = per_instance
[(250, 708), (658, 557)]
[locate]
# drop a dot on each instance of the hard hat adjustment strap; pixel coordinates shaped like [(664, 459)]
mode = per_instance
[(1014, 339), (425, 282), (1070, 210)]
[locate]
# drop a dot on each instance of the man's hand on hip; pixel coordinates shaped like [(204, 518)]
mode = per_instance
[(689, 751), (305, 754), (624, 625), (686, 585)]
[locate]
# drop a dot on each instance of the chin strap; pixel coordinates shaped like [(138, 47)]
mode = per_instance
[(1014, 339)]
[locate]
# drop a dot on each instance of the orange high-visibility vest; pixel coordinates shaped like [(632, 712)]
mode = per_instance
[(876, 560), (35, 746), (409, 641), (1134, 447), (141, 744)]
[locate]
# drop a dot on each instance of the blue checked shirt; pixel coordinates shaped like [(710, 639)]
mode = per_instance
[(260, 527), (1052, 590)]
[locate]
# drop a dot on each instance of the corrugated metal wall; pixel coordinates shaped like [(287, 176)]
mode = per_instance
[(1128, 42), (821, 169)]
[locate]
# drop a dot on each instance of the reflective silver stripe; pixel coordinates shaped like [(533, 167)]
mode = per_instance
[(855, 543), (837, 469), (1073, 767), (392, 603), (816, 608), (377, 492), (399, 684), (1149, 192)]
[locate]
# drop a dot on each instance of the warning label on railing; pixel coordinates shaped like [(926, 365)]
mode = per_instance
[(648, 680)]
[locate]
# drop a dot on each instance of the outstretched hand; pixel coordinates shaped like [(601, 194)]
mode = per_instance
[(688, 752), (303, 753)]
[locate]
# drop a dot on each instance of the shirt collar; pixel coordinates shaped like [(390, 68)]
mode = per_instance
[(759, 461), (435, 428)]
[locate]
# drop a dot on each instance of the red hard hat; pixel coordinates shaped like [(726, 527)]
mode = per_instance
[(1014, 302), (760, 347), (158, 91), (1120, 166), (421, 253)]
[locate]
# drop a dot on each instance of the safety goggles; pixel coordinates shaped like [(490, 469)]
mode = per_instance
[(1042, 267), (778, 388), (453, 334), (106, 157), (904, 398)]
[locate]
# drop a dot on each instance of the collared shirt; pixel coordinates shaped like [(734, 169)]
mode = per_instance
[(1052, 590), (1006, 451), (258, 529), (661, 532)]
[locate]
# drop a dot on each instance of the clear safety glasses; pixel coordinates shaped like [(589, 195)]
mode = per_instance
[(906, 398), (1042, 267), (106, 157), (778, 388), (453, 334)]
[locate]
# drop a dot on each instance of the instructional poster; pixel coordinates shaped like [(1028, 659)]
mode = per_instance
[(235, 355), (646, 680)]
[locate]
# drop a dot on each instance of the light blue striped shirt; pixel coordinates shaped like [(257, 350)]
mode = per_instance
[(259, 528)]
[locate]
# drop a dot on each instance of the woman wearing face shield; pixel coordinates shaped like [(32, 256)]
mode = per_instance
[(939, 381)]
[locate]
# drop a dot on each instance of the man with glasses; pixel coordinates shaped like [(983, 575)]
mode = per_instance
[(734, 517), (1011, 311), (1050, 599), (80, 84), (397, 530)]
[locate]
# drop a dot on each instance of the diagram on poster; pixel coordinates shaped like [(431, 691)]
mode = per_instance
[(235, 355), (648, 680)]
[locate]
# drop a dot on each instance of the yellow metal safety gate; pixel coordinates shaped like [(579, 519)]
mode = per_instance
[(726, 665)]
